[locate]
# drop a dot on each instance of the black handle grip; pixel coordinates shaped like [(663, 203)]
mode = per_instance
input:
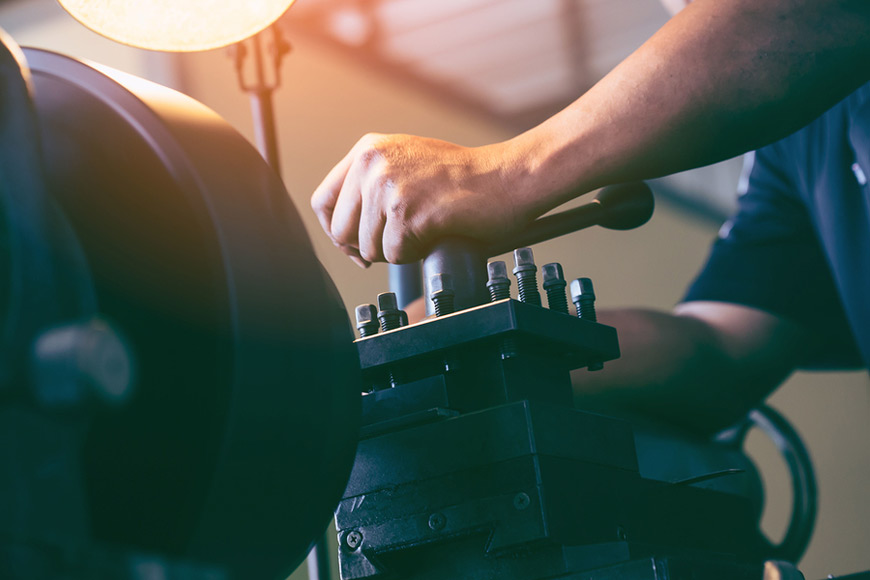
[(617, 207)]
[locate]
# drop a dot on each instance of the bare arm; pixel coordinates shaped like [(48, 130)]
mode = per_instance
[(702, 366), (722, 77)]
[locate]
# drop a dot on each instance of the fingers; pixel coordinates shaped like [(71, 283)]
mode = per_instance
[(326, 195), (346, 204), (371, 231)]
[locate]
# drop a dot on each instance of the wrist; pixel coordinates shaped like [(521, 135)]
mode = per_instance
[(545, 169)]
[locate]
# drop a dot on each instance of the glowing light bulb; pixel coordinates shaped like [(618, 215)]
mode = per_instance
[(176, 25)]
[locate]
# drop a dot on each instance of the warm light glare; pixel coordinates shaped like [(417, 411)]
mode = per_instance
[(177, 25)]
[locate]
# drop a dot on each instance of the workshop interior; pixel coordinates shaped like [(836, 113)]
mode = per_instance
[(197, 385)]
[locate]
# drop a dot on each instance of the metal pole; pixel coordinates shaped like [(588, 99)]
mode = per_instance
[(263, 111)]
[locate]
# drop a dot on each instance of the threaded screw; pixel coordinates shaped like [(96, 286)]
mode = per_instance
[(498, 284), (583, 297), (442, 294), (367, 320), (554, 285), (388, 311), (525, 272)]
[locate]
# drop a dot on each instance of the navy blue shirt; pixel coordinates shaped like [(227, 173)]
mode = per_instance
[(799, 245)]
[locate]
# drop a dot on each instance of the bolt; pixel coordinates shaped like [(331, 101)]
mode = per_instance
[(353, 539), (583, 297), (522, 501), (441, 293), (525, 271), (388, 311), (554, 285), (437, 521), (367, 320), (499, 285)]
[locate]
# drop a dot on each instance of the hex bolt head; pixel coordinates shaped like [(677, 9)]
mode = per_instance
[(388, 311), (387, 301), (497, 271), (552, 274), (367, 320), (441, 284), (524, 260), (583, 296), (442, 294), (554, 285), (498, 283), (582, 288)]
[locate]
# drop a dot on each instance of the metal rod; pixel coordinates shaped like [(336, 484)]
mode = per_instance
[(617, 207), (262, 110)]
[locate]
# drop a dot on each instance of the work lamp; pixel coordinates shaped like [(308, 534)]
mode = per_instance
[(176, 25)]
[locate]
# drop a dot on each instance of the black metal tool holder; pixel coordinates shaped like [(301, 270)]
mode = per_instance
[(477, 465), (473, 462)]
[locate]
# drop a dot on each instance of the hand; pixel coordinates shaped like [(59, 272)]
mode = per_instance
[(393, 196)]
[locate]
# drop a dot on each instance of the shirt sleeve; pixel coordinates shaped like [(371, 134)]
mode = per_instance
[(769, 257)]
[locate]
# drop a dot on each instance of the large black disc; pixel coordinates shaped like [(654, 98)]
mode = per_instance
[(238, 440)]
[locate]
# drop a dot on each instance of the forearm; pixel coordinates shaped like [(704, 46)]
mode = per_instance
[(686, 371), (722, 77)]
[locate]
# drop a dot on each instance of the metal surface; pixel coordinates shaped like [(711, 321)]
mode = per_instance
[(477, 466), (238, 441)]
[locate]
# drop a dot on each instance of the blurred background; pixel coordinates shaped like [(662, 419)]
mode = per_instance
[(478, 71)]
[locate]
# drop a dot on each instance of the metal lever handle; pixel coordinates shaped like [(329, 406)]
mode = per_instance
[(618, 207)]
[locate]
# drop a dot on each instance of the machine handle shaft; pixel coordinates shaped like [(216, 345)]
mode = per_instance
[(616, 207)]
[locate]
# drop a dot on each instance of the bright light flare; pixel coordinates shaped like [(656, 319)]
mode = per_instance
[(176, 25)]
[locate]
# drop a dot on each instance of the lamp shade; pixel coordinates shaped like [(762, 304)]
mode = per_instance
[(176, 25)]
